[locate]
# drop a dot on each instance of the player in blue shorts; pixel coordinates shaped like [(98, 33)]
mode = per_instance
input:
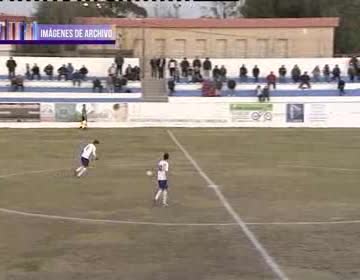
[(162, 176)]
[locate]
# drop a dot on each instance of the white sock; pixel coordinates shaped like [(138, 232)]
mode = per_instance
[(165, 197), (79, 168), (82, 171), (158, 194)]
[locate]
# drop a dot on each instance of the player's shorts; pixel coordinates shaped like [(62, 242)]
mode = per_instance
[(163, 184), (84, 162)]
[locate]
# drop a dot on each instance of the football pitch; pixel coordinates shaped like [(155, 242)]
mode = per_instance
[(244, 204)]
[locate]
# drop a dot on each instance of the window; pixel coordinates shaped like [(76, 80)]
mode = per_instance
[(262, 47), (200, 48), (281, 48), (137, 47), (160, 47), (221, 48), (241, 48), (179, 48)]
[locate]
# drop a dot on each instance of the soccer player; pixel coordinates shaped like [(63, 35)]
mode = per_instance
[(87, 154), (162, 175), (83, 124)]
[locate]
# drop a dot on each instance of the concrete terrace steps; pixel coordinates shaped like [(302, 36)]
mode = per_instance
[(154, 90)]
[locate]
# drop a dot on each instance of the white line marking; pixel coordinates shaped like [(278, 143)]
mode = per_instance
[(249, 234), (307, 223), (32, 172), (317, 167)]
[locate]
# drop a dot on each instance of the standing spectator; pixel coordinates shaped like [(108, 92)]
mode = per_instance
[(112, 70), (266, 94), (77, 78), (184, 67), (316, 74), (256, 73), (282, 74), (83, 72), (97, 85), (171, 86), (136, 70), (35, 71), (27, 73), (161, 64), (196, 62), (17, 82), (231, 84), (70, 70), (129, 73), (62, 72), (295, 74), (336, 72), (243, 73), (49, 71), (11, 66), (326, 73), (354, 61), (154, 70), (216, 73), (197, 78), (177, 74), (223, 72), (352, 72), (110, 84), (207, 66), (119, 61), (304, 81), (259, 93), (271, 80), (341, 87), (172, 67)]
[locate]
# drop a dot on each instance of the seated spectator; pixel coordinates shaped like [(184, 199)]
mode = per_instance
[(208, 89), (117, 84), (352, 73), (77, 78), (97, 85), (17, 83), (256, 73), (266, 94), (304, 81), (184, 65), (190, 75), (216, 73), (222, 73), (112, 70), (129, 73), (316, 74), (341, 87), (243, 73), (27, 73), (70, 70), (231, 84), (197, 77), (207, 66), (271, 80), (282, 74), (336, 72), (110, 84), (137, 73), (49, 71), (218, 87), (63, 72), (326, 73), (259, 93), (171, 86), (295, 74), (35, 71), (83, 72)]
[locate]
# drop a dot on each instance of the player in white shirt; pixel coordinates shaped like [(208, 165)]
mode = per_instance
[(87, 154), (162, 176)]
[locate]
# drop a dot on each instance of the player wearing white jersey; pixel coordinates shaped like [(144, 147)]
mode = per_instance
[(87, 154), (162, 176)]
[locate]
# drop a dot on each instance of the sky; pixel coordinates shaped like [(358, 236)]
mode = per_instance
[(186, 10)]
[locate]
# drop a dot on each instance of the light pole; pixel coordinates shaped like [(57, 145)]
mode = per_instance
[(143, 65)]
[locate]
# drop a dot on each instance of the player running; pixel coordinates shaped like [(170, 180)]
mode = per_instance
[(162, 175), (87, 154)]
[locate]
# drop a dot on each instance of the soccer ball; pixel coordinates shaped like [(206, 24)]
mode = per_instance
[(149, 173)]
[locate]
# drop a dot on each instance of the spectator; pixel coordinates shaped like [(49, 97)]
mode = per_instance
[(177, 74), (231, 84), (97, 85), (208, 89), (63, 72), (161, 63), (190, 75), (216, 73), (197, 77), (218, 87), (35, 71), (27, 73), (11, 66), (266, 94), (207, 66), (137, 73), (223, 72), (49, 71), (259, 93), (129, 74), (243, 73), (17, 82), (171, 86), (352, 73), (336, 72), (172, 67), (112, 70), (295, 74), (184, 67), (83, 72), (118, 84), (256, 73), (154, 70), (316, 74), (304, 81), (196, 63), (77, 77), (119, 61), (354, 61), (326, 73), (282, 74), (271, 80), (341, 87), (70, 72)]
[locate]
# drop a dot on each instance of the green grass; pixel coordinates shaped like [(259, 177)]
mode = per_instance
[(268, 175)]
